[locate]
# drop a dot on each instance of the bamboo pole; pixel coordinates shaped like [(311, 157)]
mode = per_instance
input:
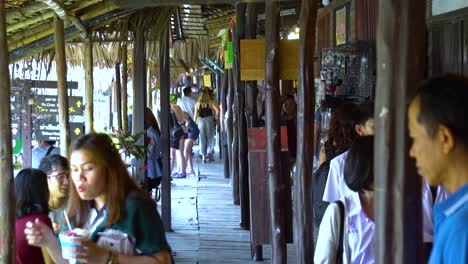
[(226, 155), (164, 78), (149, 101), (235, 142), (118, 95), (7, 199), (400, 67), (61, 63), (303, 227), (278, 240), (124, 87), (229, 129), (241, 120), (89, 115)]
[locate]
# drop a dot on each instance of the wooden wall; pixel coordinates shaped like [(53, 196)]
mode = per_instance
[(448, 43), (366, 19)]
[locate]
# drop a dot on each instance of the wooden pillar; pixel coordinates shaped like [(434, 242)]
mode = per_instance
[(27, 125), (7, 199), (61, 64), (233, 112), (400, 67), (149, 94), (164, 79), (118, 95), (278, 241), (225, 148), (251, 90), (139, 96), (229, 128), (303, 215), (124, 87), (89, 87), (241, 122)]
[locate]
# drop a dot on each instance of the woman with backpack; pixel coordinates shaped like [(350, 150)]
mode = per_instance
[(347, 230)]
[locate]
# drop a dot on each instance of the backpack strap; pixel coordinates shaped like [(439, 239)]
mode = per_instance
[(49, 151), (339, 258)]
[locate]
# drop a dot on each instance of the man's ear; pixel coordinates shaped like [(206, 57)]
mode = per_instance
[(359, 129), (446, 139)]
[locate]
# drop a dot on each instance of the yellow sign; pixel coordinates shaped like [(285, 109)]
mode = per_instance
[(207, 80)]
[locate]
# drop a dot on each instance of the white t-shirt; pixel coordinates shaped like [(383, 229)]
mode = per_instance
[(187, 104)]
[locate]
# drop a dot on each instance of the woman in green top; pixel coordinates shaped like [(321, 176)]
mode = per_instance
[(124, 224)]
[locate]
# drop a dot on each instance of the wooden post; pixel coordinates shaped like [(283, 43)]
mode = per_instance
[(124, 88), (303, 227), (7, 198), (251, 90), (118, 95), (225, 148), (278, 241), (61, 63), (229, 128), (400, 67), (89, 108), (164, 79), (27, 125), (139, 97), (241, 121), (233, 112), (149, 94)]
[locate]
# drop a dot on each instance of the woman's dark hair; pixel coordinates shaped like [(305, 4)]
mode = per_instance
[(366, 112), (330, 152), (359, 165), (118, 184), (150, 120), (53, 162), (443, 102), (342, 132), (31, 192)]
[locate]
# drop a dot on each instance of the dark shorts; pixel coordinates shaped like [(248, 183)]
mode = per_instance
[(152, 183), (194, 134), (174, 142)]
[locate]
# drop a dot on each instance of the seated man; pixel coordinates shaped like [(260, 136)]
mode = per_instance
[(58, 171)]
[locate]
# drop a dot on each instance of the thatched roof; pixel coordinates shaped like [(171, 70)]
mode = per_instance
[(194, 29)]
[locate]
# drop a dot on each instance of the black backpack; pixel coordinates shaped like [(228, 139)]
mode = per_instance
[(320, 180)]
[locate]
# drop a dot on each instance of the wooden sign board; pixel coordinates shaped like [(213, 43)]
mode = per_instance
[(253, 59)]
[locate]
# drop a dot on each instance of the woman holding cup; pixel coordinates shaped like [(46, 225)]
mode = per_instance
[(122, 220)]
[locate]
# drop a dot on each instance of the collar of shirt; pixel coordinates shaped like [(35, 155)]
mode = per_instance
[(96, 217), (353, 203), (446, 208)]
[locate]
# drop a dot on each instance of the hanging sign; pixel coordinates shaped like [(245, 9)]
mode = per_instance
[(229, 55), (207, 80)]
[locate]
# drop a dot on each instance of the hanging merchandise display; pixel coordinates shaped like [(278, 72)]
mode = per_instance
[(349, 70)]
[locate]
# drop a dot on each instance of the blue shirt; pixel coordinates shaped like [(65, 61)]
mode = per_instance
[(451, 229), (39, 152)]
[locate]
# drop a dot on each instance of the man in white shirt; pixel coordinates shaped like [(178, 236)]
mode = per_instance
[(187, 103), (44, 148)]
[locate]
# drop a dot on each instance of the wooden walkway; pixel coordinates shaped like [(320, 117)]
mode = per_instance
[(206, 223)]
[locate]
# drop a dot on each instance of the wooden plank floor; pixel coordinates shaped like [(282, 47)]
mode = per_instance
[(206, 223)]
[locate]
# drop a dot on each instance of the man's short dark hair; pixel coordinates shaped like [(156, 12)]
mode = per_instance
[(358, 170), (50, 142), (187, 91), (366, 112), (443, 101), (53, 162)]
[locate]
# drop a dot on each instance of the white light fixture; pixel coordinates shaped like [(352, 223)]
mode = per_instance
[(325, 2)]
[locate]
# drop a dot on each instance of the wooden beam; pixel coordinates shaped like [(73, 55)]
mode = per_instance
[(223, 102), (61, 63), (241, 120), (7, 198), (251, 89), (62, 13), (303, 215), (400, 67), (89, 86), (230, 136), (164, 76), (118, 95), (156, 3), (124, 87), (272, 109)]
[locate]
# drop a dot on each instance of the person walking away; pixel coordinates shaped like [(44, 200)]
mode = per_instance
[(204, 117), (32, 197), (57, 170), (193, 133), (187, 103), (153, 152), (44, 148), (177, 142), (350, 220), (439, 132), (123, 222)]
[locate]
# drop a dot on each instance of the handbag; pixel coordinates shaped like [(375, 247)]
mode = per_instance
[(339, 257)]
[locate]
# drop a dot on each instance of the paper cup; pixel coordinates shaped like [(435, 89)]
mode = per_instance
[(67, 243)]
